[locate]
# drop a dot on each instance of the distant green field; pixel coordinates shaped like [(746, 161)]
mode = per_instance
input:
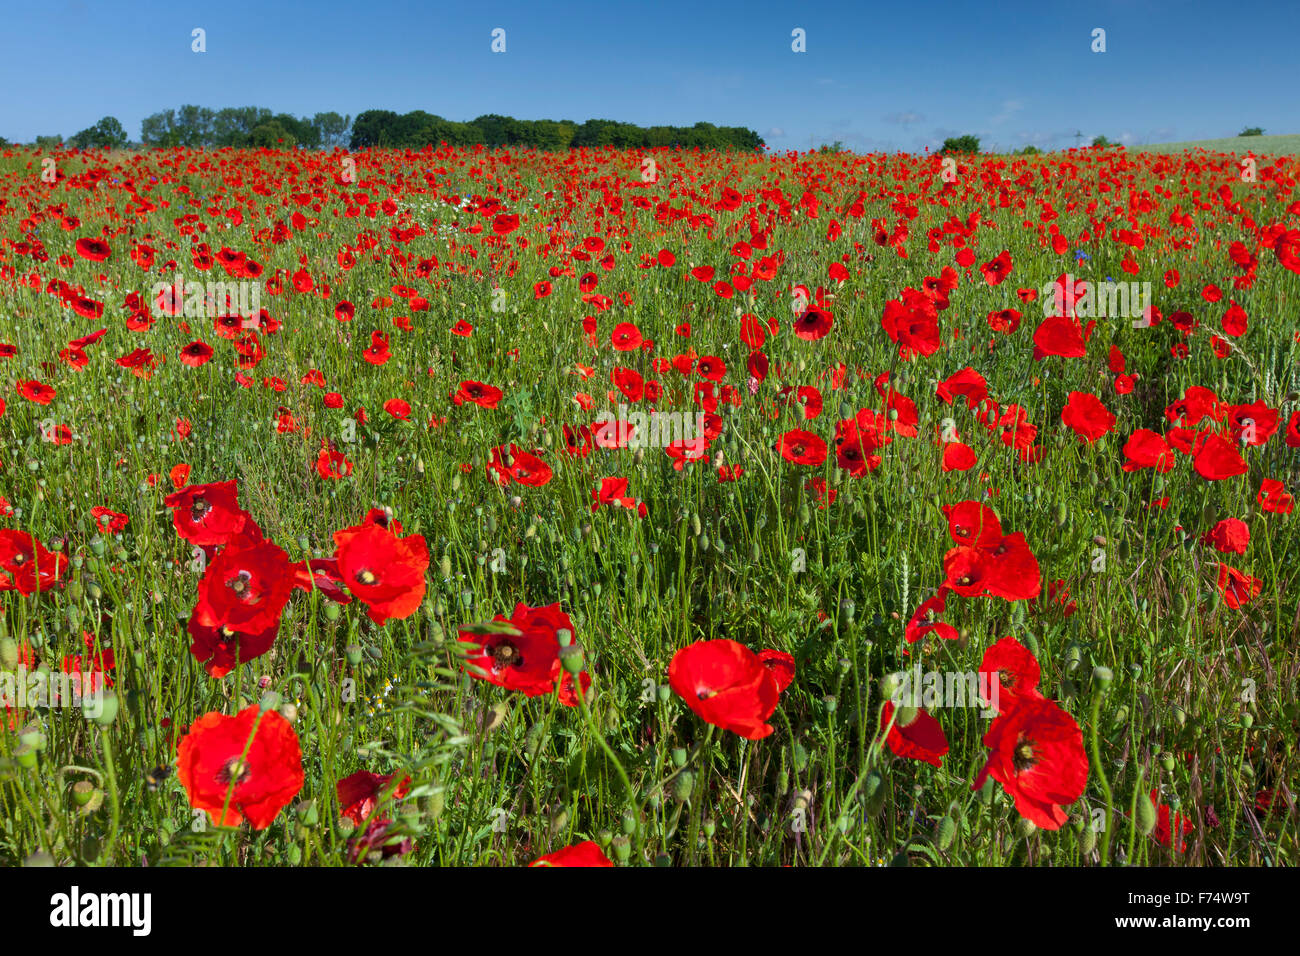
[(1288, 145)]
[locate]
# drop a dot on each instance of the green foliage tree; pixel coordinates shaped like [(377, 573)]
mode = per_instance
[(272, 135), (106, 134), (1101, 141), (1252, 131), (331, 128), (961, 144), (48, 142)]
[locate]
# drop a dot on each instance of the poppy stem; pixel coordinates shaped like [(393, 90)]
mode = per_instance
[(1095, 752)]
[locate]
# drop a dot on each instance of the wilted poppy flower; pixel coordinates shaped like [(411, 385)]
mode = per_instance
[(385, 572), (727, 685), (219, 767), (1237, 587), (359, 793)]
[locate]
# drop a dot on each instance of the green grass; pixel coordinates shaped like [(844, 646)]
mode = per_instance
[(1270, 145)]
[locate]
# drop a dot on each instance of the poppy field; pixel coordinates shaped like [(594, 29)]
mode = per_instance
[(471, 507)]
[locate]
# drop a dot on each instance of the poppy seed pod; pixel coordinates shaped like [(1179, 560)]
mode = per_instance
[(571, 659), (353, 654), (622, 848), (683, 785)]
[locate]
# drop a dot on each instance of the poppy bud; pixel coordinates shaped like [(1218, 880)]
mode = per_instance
[(679, 756), (1146, 814), (107, 709), (664, 692), (289, 712), (271, 700), (695, 524), (702, 542), (25, 756), (1087, 841), (1102, 677), (710, 827), (947, 831), (629, 822), (8, 653), (1247, 721), (874, 792), (1025, 828), (890, 684), (905, 716), (332, 612)]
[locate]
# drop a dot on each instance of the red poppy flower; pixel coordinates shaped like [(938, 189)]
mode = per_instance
[(802, 447), (525, 656), (1037, 755), (1087, 416), (385, 572), (1229, 536), (480, 394), (96, 250), (221, 770), (727, 685), (26, 565), (1170, 826), (398, 408), (210, 515), (1216, 459), (813, 323), (626, 337), (245, 588), (997, 269), (781, 665), (1147, 449), (1010, 672), (921, 738), (1274, 498), (36, 392), (586, 853)]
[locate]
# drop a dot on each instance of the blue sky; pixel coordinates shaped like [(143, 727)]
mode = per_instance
[(876, 76)]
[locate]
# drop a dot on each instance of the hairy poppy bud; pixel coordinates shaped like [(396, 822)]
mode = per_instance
[(8, 653), (1146, 814)]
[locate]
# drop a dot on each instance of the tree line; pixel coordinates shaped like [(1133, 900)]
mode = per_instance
[(256, 126)]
